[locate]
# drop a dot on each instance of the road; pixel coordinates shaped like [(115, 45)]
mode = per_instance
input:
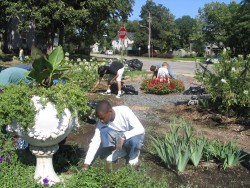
[(186, 68)]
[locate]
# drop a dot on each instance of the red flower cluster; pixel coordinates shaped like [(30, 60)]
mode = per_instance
[(162, 87)]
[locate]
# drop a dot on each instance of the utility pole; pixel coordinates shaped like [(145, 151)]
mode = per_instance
[(149, 33)]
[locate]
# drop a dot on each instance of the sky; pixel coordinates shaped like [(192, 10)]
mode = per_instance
[(178, 8)]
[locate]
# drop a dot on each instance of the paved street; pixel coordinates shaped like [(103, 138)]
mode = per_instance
[(179, 67)]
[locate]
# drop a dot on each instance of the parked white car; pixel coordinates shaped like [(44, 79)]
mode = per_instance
[(109, 52), (214, 59)]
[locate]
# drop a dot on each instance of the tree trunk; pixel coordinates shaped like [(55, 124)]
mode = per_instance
[(61, 36), (50, 41)]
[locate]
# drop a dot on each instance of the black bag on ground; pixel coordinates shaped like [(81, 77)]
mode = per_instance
[(195, 90), (126, 89), (114, 88), (134, 64), (129, 90)]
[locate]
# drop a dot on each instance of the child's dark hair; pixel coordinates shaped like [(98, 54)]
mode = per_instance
[(101, 70), (152, 68)]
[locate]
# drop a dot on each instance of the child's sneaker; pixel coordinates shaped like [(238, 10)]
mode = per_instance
[(118, 96), (106, 93)]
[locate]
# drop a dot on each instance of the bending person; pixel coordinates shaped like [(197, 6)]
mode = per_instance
[(118, 128), (13, 75), (115, 71)]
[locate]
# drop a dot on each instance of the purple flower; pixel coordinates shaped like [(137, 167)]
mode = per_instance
[(46, 181), (7, 159), (1, 159), (104, 186)]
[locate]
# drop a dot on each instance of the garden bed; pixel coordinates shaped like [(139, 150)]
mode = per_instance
[(155, 113)]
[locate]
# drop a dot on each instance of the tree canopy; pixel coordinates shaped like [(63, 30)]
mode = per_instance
[(226, 25), (163, 29), (186, 26), (84, 20)]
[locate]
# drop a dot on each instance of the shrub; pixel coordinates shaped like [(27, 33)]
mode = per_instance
[(228, 84), (162, 87)]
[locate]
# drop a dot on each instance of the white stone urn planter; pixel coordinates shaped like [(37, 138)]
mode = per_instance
[(44, 137)]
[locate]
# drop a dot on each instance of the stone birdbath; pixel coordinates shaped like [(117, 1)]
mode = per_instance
[(44, 137)]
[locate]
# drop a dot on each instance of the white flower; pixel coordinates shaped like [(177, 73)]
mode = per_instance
[(223, 80), (66, 58), (245, 92), (78, 59), (224, 51), (67, 54), (233, 69)]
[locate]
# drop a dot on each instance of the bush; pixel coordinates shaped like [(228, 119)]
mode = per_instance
[(228, 84), (162, 88)]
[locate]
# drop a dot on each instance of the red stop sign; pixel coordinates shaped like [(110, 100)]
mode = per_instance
[(122, 33)]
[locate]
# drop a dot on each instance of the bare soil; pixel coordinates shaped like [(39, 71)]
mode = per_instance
[(210, 124)]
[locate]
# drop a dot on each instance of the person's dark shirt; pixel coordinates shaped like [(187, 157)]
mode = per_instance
[(113, 67)]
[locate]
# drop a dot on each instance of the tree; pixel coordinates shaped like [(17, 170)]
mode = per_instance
[(226, 25), (197, 37), (241, 30), (185, 26), (84, 20), (163, 29), (244, 2)]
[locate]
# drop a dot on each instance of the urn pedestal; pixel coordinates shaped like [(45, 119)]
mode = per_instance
[(44, 137)]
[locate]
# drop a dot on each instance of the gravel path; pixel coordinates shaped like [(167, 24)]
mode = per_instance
[(156, 101)]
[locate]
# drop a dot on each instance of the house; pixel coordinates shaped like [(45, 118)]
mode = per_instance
[(127, 43), (95, 47)]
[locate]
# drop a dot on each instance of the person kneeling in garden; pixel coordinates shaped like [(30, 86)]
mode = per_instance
[(163, 73), (118, 128), (155, 69)]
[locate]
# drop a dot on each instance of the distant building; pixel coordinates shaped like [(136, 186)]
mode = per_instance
[(127, 43), (95, 47), (212, 49)]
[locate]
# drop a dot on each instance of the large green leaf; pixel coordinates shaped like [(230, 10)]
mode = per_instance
[(56, 57)]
